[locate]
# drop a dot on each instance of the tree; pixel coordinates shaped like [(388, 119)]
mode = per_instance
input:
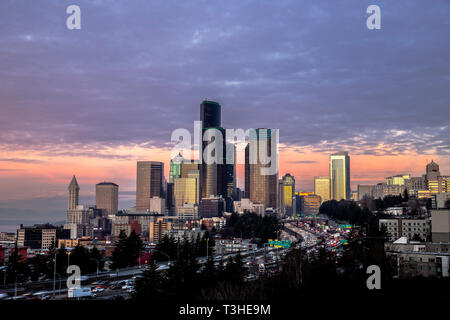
[(80, 257), (96, 259), (151, 286), (119, 255), (405, 195), (16, 268), (134, 248), (61, 261), (127, 250)]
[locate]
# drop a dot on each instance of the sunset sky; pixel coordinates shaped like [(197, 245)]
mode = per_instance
[(92, 102)]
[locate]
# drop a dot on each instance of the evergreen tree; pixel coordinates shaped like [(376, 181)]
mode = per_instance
[(151, 286), (119, 255)]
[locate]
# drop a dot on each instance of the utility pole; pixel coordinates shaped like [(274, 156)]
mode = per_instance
[(54, 276), (15, 289)]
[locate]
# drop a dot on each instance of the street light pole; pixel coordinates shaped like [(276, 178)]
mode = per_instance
[(15, 288), (207, 248), (96, 260), (54, 276)]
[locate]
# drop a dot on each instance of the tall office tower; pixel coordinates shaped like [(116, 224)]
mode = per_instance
[(170, 200), (286, 193), (149, 183), (259, 187), (175, 167), (186, 190), (187, 167), (212, 175), (229, 179), (340, 176), (74, 192), (432, 171), (322, 188), (210, 114), (107, 198)]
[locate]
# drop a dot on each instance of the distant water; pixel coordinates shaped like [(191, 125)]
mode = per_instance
[(12, 226)]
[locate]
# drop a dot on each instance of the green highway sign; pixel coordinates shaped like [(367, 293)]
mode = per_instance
[(279, 243)]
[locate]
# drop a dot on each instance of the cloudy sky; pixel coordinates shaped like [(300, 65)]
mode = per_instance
[(91, 102)]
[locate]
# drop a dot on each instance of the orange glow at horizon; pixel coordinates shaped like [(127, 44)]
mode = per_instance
[(31, 174)]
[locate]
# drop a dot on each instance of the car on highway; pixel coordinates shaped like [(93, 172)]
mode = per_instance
[(250, 277), (128, 288), (98, 289), (162, 267)]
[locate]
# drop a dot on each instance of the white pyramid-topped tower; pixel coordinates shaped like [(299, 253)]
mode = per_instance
[(74, 191)]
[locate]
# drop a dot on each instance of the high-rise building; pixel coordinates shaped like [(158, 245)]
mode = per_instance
[(322, 188), (186, 190), (432, 171), (170, 200), (78, 216), (187, 167), (399, 180), (340, 176), (229, 180), (365, 191), (149, 183), (216, 178), (175, 167), (260, 187), (74, 192), (286, 194), (107, 198), (212, 207), (210, 114)]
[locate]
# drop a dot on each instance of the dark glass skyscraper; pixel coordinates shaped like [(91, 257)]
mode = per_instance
[(210, 174), (216, 179), (210, 114)]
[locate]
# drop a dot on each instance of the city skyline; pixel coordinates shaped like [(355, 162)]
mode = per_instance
[(334, 88)]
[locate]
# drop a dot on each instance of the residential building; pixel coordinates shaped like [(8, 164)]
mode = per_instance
[(409, 227), (413, 259), (41, 236), (212, 207), (158, 228), (440, 225), (246, 205)]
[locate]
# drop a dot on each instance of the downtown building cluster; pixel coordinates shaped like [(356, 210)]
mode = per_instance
[(198, 195)]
